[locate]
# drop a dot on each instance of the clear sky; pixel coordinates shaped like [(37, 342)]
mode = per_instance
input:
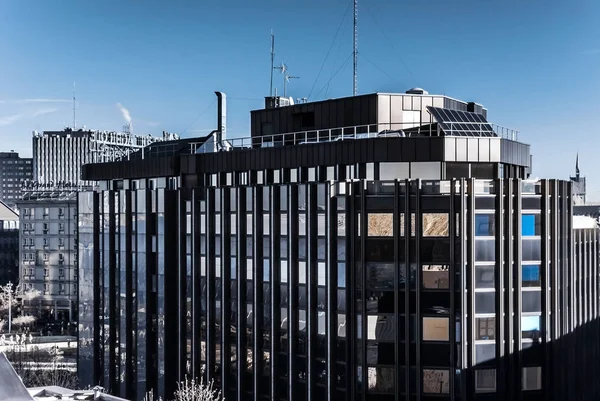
[(533, 63)]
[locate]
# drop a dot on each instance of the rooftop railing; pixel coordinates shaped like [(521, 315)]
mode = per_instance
[(386, 130)]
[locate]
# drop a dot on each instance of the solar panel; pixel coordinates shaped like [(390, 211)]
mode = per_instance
[(461, 123)]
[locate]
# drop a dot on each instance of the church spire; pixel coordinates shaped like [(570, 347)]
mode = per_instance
[(577, 166)]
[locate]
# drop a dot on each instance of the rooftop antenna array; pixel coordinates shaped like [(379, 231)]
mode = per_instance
[(355, 51), (272, 61), (286, 77)]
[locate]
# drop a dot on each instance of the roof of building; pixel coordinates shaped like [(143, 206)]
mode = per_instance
[(7, 213), (11, 385), (166, 148), (55, 393), (584, 222)]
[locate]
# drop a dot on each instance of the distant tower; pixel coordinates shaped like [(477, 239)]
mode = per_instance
[(578, 185)]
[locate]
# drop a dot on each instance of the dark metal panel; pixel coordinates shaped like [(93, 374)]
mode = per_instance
[(422, 151), (418, 278), (501, 294), (407, 235), (275, 280), (312, 284), (363, 227), (452, 223), (293, 268), (241, 265), (408, 150), (257, 282), (211, 321), (225, 287), (397, 334), (469, 234)]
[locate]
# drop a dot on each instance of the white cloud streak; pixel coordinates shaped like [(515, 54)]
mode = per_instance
[(125, 113), (35, 100), (8, 120)]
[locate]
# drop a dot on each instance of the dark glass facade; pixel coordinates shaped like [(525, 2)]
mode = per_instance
[(328, 290)]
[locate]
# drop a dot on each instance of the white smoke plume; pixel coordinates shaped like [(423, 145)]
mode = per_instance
[(125, 113)]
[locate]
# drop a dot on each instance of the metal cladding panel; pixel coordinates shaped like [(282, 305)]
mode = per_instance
[(422, 151), (450, 149), (384, 109), (461, 149), (472, 149), (495, 144), (484, 150)]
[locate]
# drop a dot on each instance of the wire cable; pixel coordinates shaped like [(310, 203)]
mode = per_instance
[(335, 60), (380, 69), (330, 47), (334, 74), (199, 115), (396, 51)]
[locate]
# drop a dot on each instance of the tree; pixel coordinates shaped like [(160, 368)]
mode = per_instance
[(192, 390)]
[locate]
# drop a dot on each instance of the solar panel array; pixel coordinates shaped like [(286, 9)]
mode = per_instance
[(461, 123)]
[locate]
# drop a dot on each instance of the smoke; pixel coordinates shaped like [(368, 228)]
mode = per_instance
[(125, 113)]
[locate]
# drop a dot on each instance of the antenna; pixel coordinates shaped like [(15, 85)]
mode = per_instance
[(272, 61), (74, 107), (287, 79), (355, 52)]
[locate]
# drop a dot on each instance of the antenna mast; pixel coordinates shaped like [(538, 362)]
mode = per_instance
[(74, 107), (272, 61), (355, 52)]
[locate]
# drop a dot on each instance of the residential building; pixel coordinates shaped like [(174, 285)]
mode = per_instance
[(14, 171), (48, 244), (9, 245), (379, 247)]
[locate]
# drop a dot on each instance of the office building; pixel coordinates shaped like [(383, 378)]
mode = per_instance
[(405, 256), (9, 245), (14, 171), (49, 211)]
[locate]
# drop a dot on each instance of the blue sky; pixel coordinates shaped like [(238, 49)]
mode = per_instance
[(534, 64)]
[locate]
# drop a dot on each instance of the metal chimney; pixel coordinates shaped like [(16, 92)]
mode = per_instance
[(221, 118)]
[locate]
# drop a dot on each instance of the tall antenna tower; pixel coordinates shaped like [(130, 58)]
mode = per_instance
[(74, 107), (272, 61), (355, 52)]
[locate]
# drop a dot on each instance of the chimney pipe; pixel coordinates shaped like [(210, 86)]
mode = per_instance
[(221, 119)]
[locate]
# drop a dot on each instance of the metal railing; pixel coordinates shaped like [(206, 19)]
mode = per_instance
[(355, 133)]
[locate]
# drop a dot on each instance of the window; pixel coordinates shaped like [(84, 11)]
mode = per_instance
[(61, 211), (531, 225), (485, 380), (61, 226), (485, 225), (436, 381), (532, 378), (530, 276), (380, 225), (435, 224), (484, 276), (45, 257), (46, 272), (485, 328), (436, 329), (435, 276)]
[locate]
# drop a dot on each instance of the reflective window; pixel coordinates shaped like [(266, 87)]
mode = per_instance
[(485, 328), (532, 301), (435, 224), (484, 276), (485, 302), (485, 352), (485, 225), (435, 276), (531, 276), (380, 225), (381, 379), (531, 224), (531, 327), (436, 381), (436, 329)]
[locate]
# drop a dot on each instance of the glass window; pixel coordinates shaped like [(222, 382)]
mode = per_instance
[(485, 328), (381, 379), (435, 224), (485, 380), (484, 276), (435, 276), (532, 378), (380, 225), (485, 250), (531, 225), (436, 329), (485, 225), (532, 301), (485, 302), (436, 381), (531, 327), (485, 352), (531, 276)]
